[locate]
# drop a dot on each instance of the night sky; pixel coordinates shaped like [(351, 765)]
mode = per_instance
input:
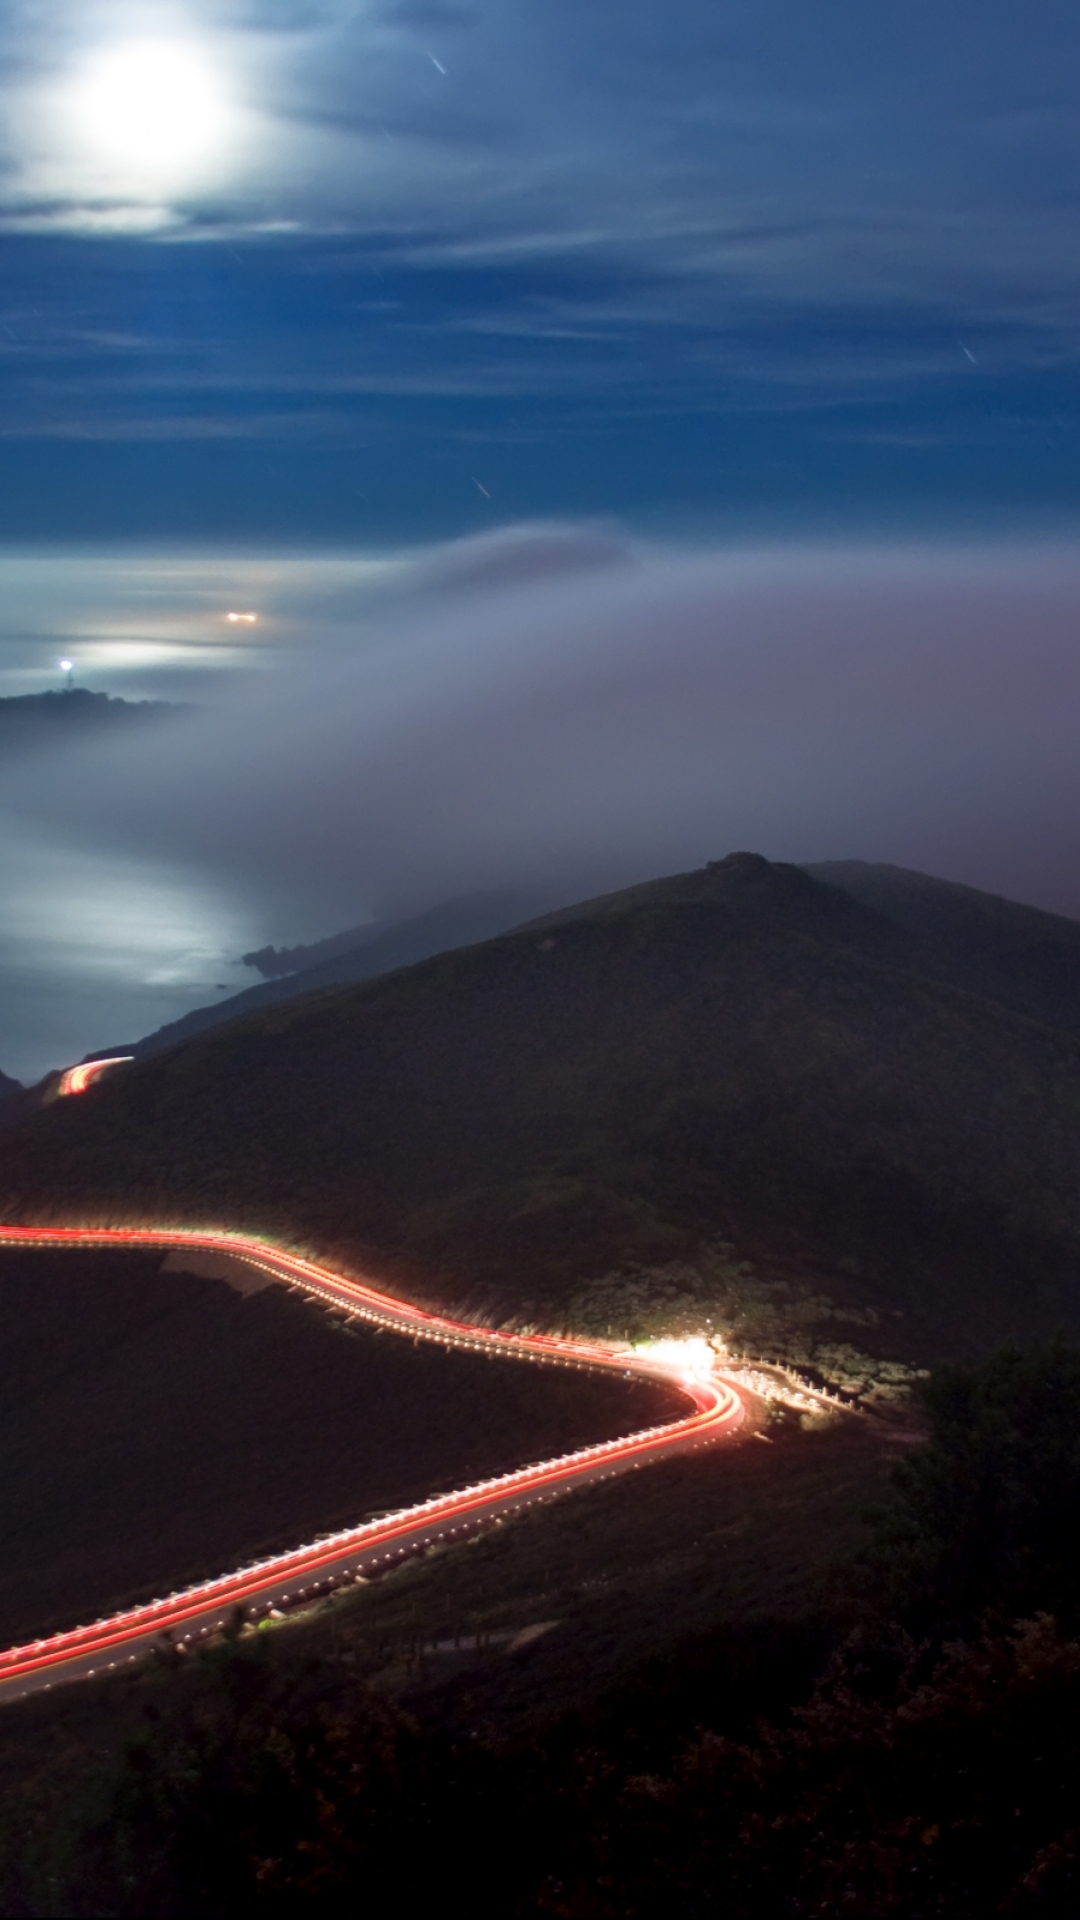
[(640, 430), (696, 264)]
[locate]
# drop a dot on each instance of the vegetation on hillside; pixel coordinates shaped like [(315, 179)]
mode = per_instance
[(750, 1316)]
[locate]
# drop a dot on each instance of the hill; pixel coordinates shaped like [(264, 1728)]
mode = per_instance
[(736, 1095), (32, 721), (1027, 959)]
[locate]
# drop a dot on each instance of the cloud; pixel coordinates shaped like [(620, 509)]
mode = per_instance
[(517, 558), (582, 712), (778, 153), (730, 220)]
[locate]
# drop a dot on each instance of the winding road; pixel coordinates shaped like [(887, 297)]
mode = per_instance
[(306, 1572)]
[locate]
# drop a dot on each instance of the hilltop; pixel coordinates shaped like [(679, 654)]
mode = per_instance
[(737, 1094)]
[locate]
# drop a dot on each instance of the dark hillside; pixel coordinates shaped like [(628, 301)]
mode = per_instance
[(1027, 959), (742, 1055)]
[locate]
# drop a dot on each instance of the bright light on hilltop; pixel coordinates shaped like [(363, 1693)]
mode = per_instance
[(693, 1358), (155, 109)]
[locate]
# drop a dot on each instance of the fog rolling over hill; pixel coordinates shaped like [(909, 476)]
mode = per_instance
[(362, 955), (1027, 958), (719, 1086)]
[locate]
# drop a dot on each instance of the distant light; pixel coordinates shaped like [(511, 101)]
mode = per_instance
[(65, 666), (245, 619)]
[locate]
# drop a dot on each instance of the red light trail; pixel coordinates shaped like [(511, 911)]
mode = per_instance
[(77, 1079), (304, 1572)]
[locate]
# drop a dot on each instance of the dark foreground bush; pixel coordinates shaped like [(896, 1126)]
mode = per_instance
[(958, 1796), (988, 1514), (255, 1790)]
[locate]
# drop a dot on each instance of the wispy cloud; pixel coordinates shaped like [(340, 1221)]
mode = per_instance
[(665, 213), (751, 154)]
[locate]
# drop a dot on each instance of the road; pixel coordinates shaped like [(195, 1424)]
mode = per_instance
[(300, 1575)]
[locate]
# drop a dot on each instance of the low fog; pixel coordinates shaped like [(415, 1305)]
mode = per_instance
[(567, 709)]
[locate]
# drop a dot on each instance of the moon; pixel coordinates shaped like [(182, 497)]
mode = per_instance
[(157, 110)]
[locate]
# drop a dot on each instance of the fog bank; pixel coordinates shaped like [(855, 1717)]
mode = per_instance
[(557, 705)]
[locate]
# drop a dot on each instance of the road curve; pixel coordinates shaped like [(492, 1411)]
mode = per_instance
[(302, 1573)]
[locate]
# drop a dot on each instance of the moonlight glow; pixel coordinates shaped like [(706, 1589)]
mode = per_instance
[(155, 109)]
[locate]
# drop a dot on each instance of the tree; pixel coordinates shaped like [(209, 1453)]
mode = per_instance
[(988, 1516)]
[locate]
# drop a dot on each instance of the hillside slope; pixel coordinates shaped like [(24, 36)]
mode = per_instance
[(741, 1059)]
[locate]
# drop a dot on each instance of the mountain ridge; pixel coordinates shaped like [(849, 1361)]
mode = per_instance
[(1038, 971)]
